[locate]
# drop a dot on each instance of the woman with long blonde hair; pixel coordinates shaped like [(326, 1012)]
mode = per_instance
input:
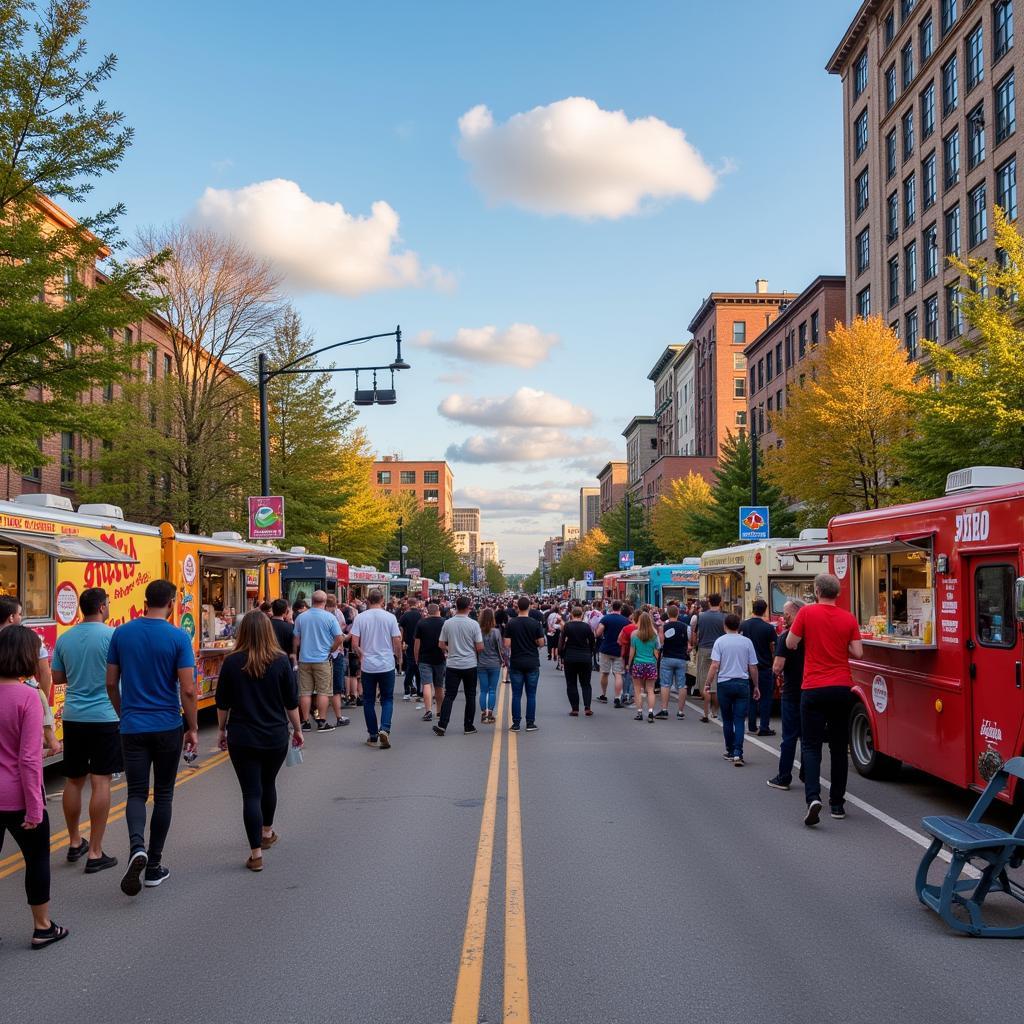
[(643, 664), (256, 700)]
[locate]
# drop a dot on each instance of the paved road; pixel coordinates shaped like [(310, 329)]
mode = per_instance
[(658, 884)]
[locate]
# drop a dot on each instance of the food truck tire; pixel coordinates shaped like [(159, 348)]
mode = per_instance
[(866, 759)]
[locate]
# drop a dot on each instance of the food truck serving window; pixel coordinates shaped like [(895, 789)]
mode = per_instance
[(35, 587), (993, 605), (895, 593), (790, 590), (222, 597)]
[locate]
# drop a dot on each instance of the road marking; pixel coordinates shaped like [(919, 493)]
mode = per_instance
[(517, 987), (466, 1009)]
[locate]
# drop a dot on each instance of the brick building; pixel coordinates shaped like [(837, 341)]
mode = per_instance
[(641, 436), (662, 376), (929, 146), (611, 481), (776, 357), (660, 474), (590, 509), (431, 483), (685, 406)]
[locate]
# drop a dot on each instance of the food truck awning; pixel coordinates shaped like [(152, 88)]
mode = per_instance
[(878, 546), (70, 549), (221, 559), (713, 570)]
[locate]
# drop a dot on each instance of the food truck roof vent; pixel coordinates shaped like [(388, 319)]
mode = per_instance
[(297, 551), (46, 501), (102, 511), (818, 534), (226, 535), (976, 477)]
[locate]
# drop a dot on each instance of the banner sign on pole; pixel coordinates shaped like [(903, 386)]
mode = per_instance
[(394, 566), (626, 559), (754, 522), (444, 577), (588, 576), (266, 518)]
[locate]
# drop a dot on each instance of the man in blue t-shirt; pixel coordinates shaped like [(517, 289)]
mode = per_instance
[(609, 652), (150, 679)]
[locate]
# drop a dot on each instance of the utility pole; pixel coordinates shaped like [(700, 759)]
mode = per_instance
[(629, 502), (401, 548), (753, 463)]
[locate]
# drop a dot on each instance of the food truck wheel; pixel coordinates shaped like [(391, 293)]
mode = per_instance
[(868, 761)]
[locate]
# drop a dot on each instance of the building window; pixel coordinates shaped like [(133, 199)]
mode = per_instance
[(815, 328), (760, 374), (431, 496), (891, 161), (778, 358), (739, 387), (384, 476), (863, 247), (975, 58), (108, 392), (128, 335), (931, 318), (789, 350), (753, 380), (928, 111), (950, 86), (906, 6), (1006, 109), (909, 201), (907, 63), (407, 476), (926, 34), (954, 315), (977, 227), (930, 241), (168, 364), (802, 342), (860, 133), (1002, 22), (862, 191), (769, 366), (895, 328), (953, 231), (431, 476), (890, 87), (1006, 188), (911, 334), (741, 418), (910, 269), (975, 136), (928, 184), (151, 364), (892, 217), (35, 474), (894, 281), (908, 134), (860, 75), (739, 362), (739, 332), (949, 14), (890, 27), (67, 459), (951, 158)]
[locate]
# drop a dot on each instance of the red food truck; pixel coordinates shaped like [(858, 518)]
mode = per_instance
[(938, 591)]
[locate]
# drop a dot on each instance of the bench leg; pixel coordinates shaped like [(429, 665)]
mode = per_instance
[(921, 880)]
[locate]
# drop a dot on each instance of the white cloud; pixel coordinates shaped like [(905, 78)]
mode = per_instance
[(572, 157), (537, 444), (516, 500), (521, 345), (525, 407), (320, 246), (453, 378)]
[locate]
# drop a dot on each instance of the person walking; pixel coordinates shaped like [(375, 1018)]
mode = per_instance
[(317, 636), (609, 653), (831, 636), (462, 641), (151, 682), (576, 651), (338, 662), (92, 736), (430, 659), (256, 699), (627, 632), (643, 663), (40, 679), (705, 628), (733, 665), (523, 641), (554, 629), (378, 641), (761, 633), (672, 670), (790, 666), (22, 801), (407, 624), (489, 664)]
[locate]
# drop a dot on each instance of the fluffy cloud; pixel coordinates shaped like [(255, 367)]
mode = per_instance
[(525, 407), (319, 246), (522, 345), (524, 445), (516, 500), (572, 157)]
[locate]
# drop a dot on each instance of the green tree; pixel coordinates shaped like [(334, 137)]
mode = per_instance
[(431, 545), (586, 554), (669, 527), (717, 524), (531, 584), (641, 543), (61, 323), (495, 578)]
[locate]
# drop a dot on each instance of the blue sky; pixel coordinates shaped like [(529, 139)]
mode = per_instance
[(361, 104)]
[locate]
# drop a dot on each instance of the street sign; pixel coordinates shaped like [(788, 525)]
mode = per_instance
[(754, 522), (588, 576), (413, 574), (266, 518), (626, 559), (394, 565), (444, 577)]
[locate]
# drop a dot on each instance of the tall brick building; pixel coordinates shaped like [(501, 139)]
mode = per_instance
[(430, 483)]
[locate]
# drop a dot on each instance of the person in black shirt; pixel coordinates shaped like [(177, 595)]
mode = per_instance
[(674, 656), (256, 699), (576, 649), (429, 659), (523, 639), (283, 629), (407, 624), (762, 634), (790, 665)]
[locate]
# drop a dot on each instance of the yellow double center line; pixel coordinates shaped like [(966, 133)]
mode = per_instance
[(466, 1009)]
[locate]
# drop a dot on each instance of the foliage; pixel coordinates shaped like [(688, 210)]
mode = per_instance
[(613, 523), (495, 578), (431, 545), (668, 528), (531, 584), (53, 141), (586, 554)]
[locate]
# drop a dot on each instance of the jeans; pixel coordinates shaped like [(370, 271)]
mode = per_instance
[(766, 684), (257, 768), (143, 752), (338, 666), (452, 678), (790, 734), (488, 678), (384, 683), (577, 677), (412, 674), (673, 673), (825, 715), (733, 699), (34, 844), (520, 678), (627, 684)]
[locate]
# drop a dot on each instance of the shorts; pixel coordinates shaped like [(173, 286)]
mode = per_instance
[(432, 675), (610, 663), (92, 748), (703, 667), (316, 677), (355, 665), (338, 666), (644, 672), (673, 673)]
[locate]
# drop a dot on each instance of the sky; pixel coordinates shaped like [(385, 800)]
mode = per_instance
[(540, 194)]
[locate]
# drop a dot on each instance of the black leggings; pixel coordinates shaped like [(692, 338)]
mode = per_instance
[(158, 752), (257, 768), (34, 844), (577, 677)]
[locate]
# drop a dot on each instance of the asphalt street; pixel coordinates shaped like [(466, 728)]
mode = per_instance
[(597, 871)]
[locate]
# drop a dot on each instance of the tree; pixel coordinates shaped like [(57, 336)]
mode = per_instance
[(431, 544), (717, 524), (974, 413), (640, 542), (531, 584), (668, 528), (495, 578), (843, 428), (61, 323), (586, 555)]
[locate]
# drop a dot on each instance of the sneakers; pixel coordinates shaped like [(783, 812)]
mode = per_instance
[(777, 783), (813, 815), (531, 726), (131, 881), (680, 716), (470, 731), (419, 706), (728, 755), (342, 722), (438, 731), (650, 717), (384, 738), (738, 762), (603, 699), (663, 713), (704, 719), (638, 717), (307, 726), (514, 727), (79, 851), (324, 726), (618, 703), (406, 696), (766, 732), (100, 863), (371, 741), (837, 811), (156, 874), (428, 716)]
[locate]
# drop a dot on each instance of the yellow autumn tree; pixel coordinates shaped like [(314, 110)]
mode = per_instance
[(843, 428), (669, 526), (585, 555)]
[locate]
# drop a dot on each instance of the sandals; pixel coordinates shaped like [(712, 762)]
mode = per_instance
[(254, 863), (43, 937)]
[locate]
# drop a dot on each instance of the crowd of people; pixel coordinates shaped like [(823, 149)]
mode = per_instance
[(131, 706)]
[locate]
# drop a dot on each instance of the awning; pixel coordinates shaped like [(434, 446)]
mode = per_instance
[(879, 546), (69, 549), (220, 559), (713, 570)]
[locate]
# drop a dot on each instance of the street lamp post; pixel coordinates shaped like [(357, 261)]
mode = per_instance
[(401, 547)]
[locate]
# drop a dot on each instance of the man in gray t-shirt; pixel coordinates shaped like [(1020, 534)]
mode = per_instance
[(705, 628), (461, 641)]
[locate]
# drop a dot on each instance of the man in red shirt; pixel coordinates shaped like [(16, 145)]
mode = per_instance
[(831, 636)]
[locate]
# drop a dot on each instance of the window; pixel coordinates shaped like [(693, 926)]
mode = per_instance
[(760, 374), (863, 250), (739, 362), (431, 496), (168, 364), (894, 327), (890, 27), (1002, 23), (384, 476), (151, 364), (908, 134), (931, 318), (69, 284), (928, 185), (864, 303), (769, 366), (789, 350), (753, 379), (739, 387), (802, 340), (928, 111), (894, 281), (860, 133), (108, 392), (910, 335), (948, 15), (895, 593), (909, 201), (34, 585), (907, 63), (891, 162), (407, 476), (910, 269), (778, 358), (930, 243), (926, 34), (1006, 109), (741, 418), (906, 6), (739, 332), (1006, 188), (954, 315), (890, 87), (950, 86), (67, 459), (977, 227), (953, 231), (995, 623), (860, 74), (431, 476), (861, 187), (128, 335), (892, 217), (815, 328), (975, 58), (975, 136), (951, 157)]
